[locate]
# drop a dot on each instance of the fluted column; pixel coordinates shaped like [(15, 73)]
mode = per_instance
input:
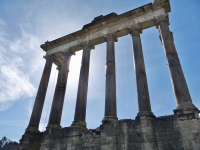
[(110, 93), (81, 101), (181, 92), (40, 97), (141, 79), (59, 95)]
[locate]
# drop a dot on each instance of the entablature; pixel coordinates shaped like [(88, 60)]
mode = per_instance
[(118, 25)]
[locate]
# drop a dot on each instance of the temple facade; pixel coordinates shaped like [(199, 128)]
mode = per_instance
[(180, 131)]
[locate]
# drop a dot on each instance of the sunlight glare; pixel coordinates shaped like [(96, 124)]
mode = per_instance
[(74, 67)]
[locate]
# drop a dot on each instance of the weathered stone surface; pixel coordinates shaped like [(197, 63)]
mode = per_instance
[(81, 100), (140, 74), (110, 24), (181, 92), (40, 97), (110, 114), (161, 133), (59, 94), (180, 131)]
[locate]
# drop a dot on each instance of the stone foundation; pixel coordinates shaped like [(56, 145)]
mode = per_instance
[(176, 132), (144, 133)]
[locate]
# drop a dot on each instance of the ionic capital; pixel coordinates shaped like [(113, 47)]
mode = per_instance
[(164, 18), (110, 36), (51, 57), (69, 53), (135, 29), (58, 68), (66, 55), (87, 45), (135, 32)]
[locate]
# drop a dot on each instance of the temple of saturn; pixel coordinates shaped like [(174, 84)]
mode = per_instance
[(147, 132)]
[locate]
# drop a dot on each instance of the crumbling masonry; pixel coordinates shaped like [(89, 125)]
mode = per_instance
[(180, 131)]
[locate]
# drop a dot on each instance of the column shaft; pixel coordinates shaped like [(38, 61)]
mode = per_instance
[(81, 101), (141, 79), (181, 92), (59, 95), (110, 93), (40, 97)]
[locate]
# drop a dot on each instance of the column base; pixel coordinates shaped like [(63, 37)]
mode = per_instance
[(186, 106), (187, 109), (53, 126), (146, 114), (187, 113), (79, 124), (32, 129), (109, 119)]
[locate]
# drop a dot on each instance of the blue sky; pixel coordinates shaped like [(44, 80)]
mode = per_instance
[(25, 25)]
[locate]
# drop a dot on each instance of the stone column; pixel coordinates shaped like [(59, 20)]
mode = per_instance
[(181, 92), (59, 95), (40, 97), (81, 101), (110, 93), (141, 79)]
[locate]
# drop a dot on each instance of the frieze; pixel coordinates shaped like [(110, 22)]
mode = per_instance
[(101, 22), (117, 26)]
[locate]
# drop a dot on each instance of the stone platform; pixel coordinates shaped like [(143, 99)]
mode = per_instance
[(180, 131), (144, 133)]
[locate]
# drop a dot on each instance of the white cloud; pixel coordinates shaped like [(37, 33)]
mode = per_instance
[(4, 105), (18, 61), (14, 83), (20, 55)]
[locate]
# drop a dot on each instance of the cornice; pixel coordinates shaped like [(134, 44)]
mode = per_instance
[(102, 24)]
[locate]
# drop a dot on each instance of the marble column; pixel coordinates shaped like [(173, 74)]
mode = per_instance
[(110, 93), (141, 79), (40, 97), (59, 94), (180, 88), (81, 101)]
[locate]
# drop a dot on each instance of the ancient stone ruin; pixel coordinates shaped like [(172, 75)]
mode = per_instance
[(180, 131)]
